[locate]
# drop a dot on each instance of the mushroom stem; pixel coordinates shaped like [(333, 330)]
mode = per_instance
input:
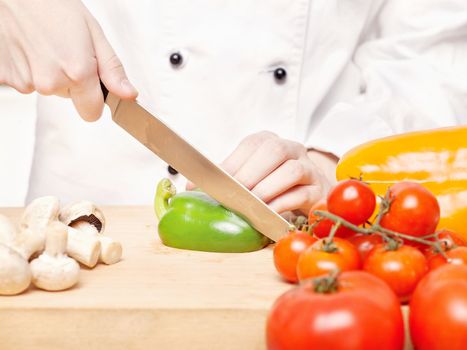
[(56, 239), (85, 227), (53, 270), (111, 250), (83, 247)]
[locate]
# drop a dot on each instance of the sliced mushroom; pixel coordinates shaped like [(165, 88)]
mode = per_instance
[(15, 274), (86, 217), (53, 270)]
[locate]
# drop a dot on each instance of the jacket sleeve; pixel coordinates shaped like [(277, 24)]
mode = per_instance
[(413, 65)]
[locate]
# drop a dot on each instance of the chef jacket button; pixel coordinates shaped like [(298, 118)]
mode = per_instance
[(280, 74), (171, 170), (176, 59)]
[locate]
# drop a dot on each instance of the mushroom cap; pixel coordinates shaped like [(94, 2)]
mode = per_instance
[(40, 212), (15, 274), (28, 242), (8, 230), (83, 211), (54, 273)]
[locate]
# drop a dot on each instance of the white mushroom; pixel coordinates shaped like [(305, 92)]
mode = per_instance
[(84, 211), (40, 213), (35, 219), (53, 270), (83, 247), (8, 230), (86, 217), (28, 242), (15, 274)]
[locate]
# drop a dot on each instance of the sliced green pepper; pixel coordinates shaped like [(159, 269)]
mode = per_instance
[(193, 220)]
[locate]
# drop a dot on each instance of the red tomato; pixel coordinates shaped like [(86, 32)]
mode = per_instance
[(352, 200), (401, 269), (414, 210), (323, 227), (362, 314), (451, 238), (438, 310), (312, 218), (448, 239), (365, 243), (315, 261), (456, 256), (287, 251)]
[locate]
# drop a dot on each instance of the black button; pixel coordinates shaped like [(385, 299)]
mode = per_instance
[(280, 74), (172, 170), (176, 59)]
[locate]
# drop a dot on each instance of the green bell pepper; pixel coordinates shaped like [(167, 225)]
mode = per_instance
[(193, 220)]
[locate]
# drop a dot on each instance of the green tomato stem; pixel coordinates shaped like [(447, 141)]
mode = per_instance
[(329, 245), (326, 284), (377, 228)]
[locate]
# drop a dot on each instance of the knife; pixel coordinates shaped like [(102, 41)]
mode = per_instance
[(174, 150)]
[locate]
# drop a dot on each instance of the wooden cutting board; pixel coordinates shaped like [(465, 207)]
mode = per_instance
[(155, 298)]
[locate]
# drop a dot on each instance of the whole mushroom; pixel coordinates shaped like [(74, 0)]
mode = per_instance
[(88, 219), (8, 230), (15, 274), (36, 217), (40, 213), (53, 270)]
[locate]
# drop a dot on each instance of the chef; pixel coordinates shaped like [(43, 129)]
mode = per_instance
[(274, 90)]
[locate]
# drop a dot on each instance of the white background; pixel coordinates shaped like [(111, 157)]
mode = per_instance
[(17, 120)]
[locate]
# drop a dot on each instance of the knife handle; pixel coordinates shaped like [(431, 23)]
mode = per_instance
[(105, 92)]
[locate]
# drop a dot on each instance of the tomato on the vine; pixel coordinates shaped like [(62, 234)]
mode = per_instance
[(352, 200), (287, 252), (438, 310), (322, 227), (450, 239), (312, 218), (447, 239), (355, 311), (321, 258), (365, 243), (401, 268), (414, 210), (456, 256)]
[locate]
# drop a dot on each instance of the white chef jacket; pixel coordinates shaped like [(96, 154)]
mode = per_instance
[(356, 70)]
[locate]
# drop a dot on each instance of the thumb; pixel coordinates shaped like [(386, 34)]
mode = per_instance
[(109, 66)]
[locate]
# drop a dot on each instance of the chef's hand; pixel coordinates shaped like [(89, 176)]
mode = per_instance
[(56, 47), (283, 173)]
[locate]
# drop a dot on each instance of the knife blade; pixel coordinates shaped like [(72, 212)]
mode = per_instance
[(174, 150)]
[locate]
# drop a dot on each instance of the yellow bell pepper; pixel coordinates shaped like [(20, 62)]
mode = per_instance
[(437, 159)]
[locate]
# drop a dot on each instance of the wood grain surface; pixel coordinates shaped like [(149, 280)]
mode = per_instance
[(155, 298)]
